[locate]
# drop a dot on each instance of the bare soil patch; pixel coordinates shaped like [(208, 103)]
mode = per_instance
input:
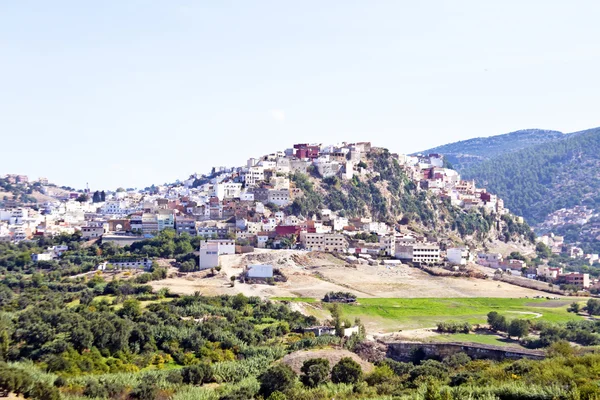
[(313, 274), (296, 359)]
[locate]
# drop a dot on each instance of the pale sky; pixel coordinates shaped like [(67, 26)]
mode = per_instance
[(130, 93)]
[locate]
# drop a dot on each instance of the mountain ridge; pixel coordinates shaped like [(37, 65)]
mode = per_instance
[(465, 153)]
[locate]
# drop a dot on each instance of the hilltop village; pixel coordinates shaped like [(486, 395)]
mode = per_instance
[(263, 205)]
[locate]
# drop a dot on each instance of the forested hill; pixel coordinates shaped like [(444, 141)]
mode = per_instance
[(467, 153), (540, 179)]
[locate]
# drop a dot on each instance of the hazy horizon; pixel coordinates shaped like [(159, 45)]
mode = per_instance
[(131, 93)]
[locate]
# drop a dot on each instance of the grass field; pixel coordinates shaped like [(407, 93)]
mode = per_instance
[(391, 314), (476, 338)]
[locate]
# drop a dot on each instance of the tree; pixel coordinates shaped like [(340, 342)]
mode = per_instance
[(278, 378), (593, 307), (574, 307), (131, 308), (232, 279), (542, 250), (82, 198), (346, 371), (497, 322), (315, 372), (119, 190), (518, 328)]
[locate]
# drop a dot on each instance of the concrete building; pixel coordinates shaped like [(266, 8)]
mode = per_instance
[(254, 175), (227, 190), (458, 255), (93, 230), (576, 278), (419, 252), (491, 260), (209, 254), (185, 225), (324, 242), (279, 197)]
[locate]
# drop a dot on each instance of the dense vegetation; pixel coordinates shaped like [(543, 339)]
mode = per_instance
[(538, 180), (85, 337), (83, 257)]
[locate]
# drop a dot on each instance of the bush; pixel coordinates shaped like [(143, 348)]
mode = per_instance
[(454, 327), (146, 390), (457, 360), (315, 372), (196, 374), (429, 368), (346, 371), (278, 378), (94, 389)]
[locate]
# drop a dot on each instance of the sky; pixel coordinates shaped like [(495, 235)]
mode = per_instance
[(135, 92)]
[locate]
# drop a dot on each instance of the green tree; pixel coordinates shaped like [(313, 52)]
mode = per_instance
[(518, 328), (497, 322), (315, 372), (574, 307), (131, 308), (278, 378), (593, 307), (346, 371)]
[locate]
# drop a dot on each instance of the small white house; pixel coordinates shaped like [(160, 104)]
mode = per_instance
[(260, 271), (458, 255)]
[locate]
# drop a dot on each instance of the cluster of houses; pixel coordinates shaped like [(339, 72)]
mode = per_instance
[(429, 172), (557, 246), (578, 215), (245, 207), (550, 274)]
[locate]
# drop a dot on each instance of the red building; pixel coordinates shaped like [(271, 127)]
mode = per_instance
[(285, 230), (306, 151)]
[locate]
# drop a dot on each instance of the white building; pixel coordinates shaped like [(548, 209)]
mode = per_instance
[(260, 271), (418, 252), (254, 175), (227, 190), (458, 255), (324, 242)]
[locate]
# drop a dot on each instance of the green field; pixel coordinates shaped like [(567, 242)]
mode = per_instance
[(392, 314)]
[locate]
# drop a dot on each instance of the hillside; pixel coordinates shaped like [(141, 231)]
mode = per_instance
[(385, 193), (540, 179), (467, 153)]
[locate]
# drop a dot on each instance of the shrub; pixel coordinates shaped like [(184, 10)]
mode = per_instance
[(457, 360), (278, 378), (315, 372), (454, 327), (196, 374), (346, 371)]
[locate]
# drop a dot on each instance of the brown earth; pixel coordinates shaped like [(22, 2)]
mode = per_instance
[(296, 359), (313, 274)]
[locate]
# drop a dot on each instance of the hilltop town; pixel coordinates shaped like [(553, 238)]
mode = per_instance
[(273, 203)]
